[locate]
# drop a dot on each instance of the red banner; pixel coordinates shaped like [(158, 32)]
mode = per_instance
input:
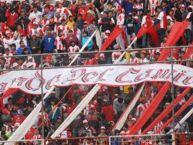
[(150, 110), (151, 31), (142, 31), (153, 36), (167, 110), (188, 53), (175, 34), (116, 32), (182, 108)]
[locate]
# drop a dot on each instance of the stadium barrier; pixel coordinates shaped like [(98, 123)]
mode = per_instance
[(79, 141), (147, 139), (123, 139), (59, 60), (24, 142), (150, 139)]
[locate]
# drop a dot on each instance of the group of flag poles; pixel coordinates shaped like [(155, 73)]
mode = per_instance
[(29, 121)]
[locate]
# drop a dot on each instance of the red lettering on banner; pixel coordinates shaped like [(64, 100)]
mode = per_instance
[(161, 74), (187, 81), (2, 87), (179, 75), (30, 82), (19, 81), (170, 74), (56, 78), (75, 74), (146, 74), (120, 78), (87, 77), (100, 78)]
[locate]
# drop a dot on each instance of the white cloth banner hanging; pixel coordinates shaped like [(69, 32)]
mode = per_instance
[(98, 39), (30, 81)]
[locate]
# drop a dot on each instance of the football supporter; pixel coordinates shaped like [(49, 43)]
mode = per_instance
[(43, 26)]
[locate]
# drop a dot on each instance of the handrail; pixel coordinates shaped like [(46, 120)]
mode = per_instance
[(106, 51)]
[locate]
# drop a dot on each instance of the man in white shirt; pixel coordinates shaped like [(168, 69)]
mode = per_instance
[(35, 15), (161, 20)]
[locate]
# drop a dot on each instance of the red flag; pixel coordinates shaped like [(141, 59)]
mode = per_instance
[(116, 32), (167, 110), (151, 31), (182, 108), (150, 110), (9, 92), (153, 36), (142, 31), (123, 34), (175, 34), (188, 53)]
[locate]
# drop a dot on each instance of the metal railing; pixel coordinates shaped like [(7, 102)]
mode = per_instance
[(149, 139), (41, 59), (62, 60)]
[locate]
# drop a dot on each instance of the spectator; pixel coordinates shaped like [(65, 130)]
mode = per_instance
[(188, 33), (86, 130), (105, 22), (53, 111), (118, 106), (23, 49), (162, 20), (12, 16), (80, 22), (130, 24), (45, 27), (128, 6), (35, 44), (23, 20), (120, 17), (85, 38), (71, 38), (48, 43), (102, 137), (35, 15), (2, 11)]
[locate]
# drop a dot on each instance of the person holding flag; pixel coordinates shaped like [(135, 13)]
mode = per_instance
[(146, 22), (161, 22)]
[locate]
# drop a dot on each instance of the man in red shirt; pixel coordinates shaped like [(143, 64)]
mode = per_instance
[(11, 18)]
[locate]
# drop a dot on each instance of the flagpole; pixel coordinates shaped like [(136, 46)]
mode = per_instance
[(83, 47)]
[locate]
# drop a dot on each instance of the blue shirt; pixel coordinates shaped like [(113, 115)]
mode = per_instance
[(20, 50), (48, 44), (128, 7), (90, 44)]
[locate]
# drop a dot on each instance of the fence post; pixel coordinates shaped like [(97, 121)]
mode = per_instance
[(109, 140), (173, 139)]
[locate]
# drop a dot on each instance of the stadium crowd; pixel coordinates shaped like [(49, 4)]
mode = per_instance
[(64, 26)]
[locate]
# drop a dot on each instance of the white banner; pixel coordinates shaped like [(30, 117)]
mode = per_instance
[(30, 81)]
